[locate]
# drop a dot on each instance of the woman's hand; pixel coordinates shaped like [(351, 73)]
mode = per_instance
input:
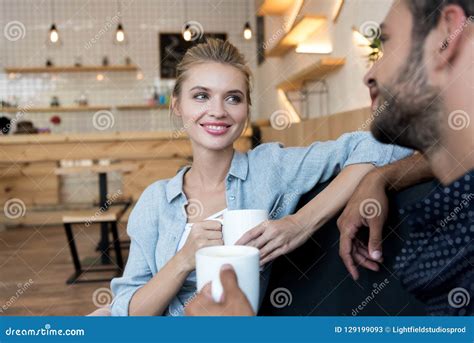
[(276, 237), (203, 234)]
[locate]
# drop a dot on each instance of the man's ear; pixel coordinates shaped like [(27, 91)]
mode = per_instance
[(451, 26)]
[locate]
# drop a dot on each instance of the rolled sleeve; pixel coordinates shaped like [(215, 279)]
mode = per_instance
[(301, 168)]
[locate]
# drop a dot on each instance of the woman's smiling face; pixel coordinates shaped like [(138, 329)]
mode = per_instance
[(213, 105)]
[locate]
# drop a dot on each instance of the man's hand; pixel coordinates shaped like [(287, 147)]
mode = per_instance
[(276, 237), (233, 301), (368, 207)]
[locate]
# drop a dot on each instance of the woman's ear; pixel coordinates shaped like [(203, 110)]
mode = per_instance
[(175, 106), (451, 26)]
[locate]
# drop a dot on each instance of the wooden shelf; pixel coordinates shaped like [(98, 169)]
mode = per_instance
[(273, 7), (70, 69), (317, 71), (299, 33), (55, 109), (141, 107)]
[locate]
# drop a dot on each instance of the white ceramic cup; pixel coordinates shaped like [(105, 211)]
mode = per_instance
[(244, 260), (236, 223)]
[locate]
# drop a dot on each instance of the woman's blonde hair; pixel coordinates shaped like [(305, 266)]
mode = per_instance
[(213, 50)]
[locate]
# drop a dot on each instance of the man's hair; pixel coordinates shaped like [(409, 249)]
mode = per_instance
[(426, 14)]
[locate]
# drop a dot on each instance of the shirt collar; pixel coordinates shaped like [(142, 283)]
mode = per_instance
[(239, 168)]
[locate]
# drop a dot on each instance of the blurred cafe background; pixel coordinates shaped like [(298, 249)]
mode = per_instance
[(85, 90)]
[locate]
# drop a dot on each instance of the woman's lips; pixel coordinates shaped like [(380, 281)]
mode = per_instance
[(216, 129)]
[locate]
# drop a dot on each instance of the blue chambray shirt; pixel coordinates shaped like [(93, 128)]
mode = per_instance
[(268, 177)]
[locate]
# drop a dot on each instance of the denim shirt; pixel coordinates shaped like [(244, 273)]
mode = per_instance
[(268, 177)]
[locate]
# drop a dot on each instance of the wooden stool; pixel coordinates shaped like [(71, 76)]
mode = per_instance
[(89, 217)]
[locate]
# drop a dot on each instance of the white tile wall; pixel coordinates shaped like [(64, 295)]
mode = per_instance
[(78, 22)]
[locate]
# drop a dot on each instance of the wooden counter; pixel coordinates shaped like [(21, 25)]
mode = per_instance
[(28, 162)]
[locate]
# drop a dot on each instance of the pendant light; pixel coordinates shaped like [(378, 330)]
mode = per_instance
[(187, 34), (120, 37), (53, 34), (247, 27)]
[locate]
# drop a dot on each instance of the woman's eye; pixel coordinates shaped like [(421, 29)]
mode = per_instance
[(234, 99), (200, 96)]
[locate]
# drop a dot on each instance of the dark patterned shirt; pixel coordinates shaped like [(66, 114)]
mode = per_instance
[(436, 263)]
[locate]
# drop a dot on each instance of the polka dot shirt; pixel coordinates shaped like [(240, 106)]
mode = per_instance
[(436, 263)]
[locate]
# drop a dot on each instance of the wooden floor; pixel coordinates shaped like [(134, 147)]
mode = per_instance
[(34, 266)]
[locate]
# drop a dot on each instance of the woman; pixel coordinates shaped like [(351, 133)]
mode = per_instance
[(168, 224)]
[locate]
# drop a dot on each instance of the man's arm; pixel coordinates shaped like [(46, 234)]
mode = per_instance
[(368, 206)]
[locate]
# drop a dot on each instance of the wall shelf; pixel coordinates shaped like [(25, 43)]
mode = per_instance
[(70, 69), (81, 108), (273, 7), (55, 109), (141, 107), (299, 33), (318, 70)]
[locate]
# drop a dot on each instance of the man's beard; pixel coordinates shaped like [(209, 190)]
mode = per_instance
[(410, 110)]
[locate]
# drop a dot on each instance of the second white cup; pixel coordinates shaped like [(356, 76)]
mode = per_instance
[(236, 223)]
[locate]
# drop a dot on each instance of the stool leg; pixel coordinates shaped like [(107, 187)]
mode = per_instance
[(74, 254), (118, 251)]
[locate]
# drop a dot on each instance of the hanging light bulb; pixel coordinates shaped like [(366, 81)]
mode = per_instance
[(53, 34), (120, 34), (247, 31), (187, 34)]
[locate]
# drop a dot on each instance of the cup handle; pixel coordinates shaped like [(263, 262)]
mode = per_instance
[(218, 220)]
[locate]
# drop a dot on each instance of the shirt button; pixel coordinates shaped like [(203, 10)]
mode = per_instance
[(229, 178), (232, 197)]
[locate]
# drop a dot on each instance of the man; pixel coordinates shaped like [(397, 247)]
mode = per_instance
[(423, 88)]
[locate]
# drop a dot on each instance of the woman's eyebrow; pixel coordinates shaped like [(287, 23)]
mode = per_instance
[(200, 88), (235, 91)]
